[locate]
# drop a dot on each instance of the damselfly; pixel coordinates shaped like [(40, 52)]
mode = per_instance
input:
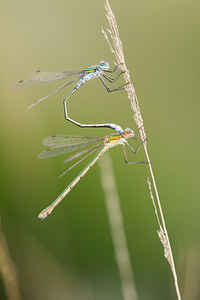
[(61, 144), (40, 78)]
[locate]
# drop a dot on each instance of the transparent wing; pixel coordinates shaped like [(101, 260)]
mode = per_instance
[(59, 140), (40, 78), (92, 149), (51, 75), (62, 144), (78, 154), (52, 93)]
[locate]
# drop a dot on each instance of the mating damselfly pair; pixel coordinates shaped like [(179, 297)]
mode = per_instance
[(61, 144)]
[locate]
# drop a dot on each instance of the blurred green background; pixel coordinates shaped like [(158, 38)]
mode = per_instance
[(70, 255)]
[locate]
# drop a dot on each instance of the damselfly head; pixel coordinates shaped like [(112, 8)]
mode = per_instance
[(128, 133), (104, 65)]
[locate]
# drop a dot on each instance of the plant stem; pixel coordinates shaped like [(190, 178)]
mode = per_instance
[(117, 49), (117, 229)]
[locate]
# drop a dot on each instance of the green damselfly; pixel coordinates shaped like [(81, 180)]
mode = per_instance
[(40, 78), (61, 144)]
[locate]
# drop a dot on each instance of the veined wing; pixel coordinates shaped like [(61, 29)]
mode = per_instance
[(78, 154), (52, 93), (63, 144), (40, 78), (90, 150), (59, 140)]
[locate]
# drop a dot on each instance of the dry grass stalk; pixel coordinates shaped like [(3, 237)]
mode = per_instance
[(161, 232), (117, 229), (8, 271), (117, 49)]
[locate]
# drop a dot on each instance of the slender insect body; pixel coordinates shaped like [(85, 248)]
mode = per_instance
[(40, 78), (69, 143), (49, 209)]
